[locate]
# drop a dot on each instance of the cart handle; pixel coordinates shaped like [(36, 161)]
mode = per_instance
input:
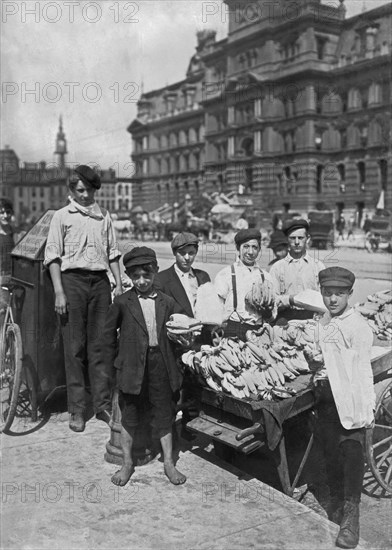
[(256, 428)]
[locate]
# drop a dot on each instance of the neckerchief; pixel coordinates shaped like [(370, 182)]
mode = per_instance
[(93, 211)]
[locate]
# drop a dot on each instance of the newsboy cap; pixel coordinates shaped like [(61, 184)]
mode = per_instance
[(245, 235), (183, 239), (277, 239), (291, 225), (88, 176), (140, 255), (336, 276)]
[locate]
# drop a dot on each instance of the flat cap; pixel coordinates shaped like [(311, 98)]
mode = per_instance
[(277, 239), (291, 225), (245, 235), (140, 255), (183, 239), (88, 176), (336, 276)]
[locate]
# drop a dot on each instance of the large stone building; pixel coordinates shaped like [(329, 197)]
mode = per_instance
[(292, 107)]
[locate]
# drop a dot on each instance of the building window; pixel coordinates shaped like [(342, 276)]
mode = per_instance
[(342, 177), (20, 191), (320, 44), (33, 207), (361, 175), (42, 206), (33, 192), (196, 186), (318, 141), (383, 171), (319, 178)]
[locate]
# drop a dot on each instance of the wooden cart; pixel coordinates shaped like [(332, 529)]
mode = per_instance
[(246, 425)]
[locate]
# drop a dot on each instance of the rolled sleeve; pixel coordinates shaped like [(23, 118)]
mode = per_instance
[(113, 250), (54, 248), (222, 283), (362, 343)]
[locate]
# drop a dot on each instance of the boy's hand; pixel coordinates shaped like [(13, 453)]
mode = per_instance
[(60, 303), (117, 290)]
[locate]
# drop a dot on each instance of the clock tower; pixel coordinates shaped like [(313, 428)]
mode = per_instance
[(61, 145)]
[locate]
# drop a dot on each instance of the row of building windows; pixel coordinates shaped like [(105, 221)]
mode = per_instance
[(174, 139), (293, 101)]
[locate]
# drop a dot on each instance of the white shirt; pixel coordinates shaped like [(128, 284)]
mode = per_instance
[(245, 277), (346, 342), (189, 282), (291, 276)]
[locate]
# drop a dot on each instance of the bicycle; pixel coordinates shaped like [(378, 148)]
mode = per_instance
[(19, 411), (11, 356)]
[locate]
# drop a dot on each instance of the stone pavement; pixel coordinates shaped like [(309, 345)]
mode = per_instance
[(57, 494)]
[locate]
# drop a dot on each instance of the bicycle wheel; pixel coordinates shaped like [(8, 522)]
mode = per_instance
[(10, 375)]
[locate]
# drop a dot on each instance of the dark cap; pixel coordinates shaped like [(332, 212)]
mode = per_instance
[(88, 176), (140, 255), (336, 276), (183, 239), (291, 225), (277, 239), (245, 235)]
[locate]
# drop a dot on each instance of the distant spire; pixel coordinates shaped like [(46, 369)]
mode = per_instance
[(61, 144), (364, 6)]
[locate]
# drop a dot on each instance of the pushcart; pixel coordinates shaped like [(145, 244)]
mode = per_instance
[(32, 364), (247, 425)]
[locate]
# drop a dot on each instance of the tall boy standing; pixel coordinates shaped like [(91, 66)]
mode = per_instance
[(345, 399), (80, 249), (146, 363)]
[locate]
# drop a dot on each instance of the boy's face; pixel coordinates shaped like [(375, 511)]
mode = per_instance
[(249, 251), (142, 280), (185, 256), (83, 194), (298, 241), (336, 299), (5, 216)]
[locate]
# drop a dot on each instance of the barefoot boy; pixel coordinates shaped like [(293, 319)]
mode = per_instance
[(145, 360), (345, 399)]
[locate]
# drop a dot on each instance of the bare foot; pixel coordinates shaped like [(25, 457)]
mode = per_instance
[(121, 477), (176, 477)]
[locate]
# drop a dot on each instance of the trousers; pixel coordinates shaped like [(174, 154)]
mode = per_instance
[(344, 450), (89, 298)]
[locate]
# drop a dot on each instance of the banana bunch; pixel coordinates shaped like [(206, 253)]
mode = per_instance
[(246, 369), (378, 313)]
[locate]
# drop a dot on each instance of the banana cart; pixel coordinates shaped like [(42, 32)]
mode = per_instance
[(246, 425)]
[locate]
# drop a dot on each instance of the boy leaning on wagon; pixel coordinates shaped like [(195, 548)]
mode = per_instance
[(81, 248), (345, 398)]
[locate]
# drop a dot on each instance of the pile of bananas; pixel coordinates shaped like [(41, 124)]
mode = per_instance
[(378, 313), (248, 369)]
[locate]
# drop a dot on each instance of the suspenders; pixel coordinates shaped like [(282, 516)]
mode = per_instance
[(234, 285)]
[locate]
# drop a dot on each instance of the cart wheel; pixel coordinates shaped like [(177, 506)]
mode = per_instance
[(10, 375), (379, 442), (29, 417)]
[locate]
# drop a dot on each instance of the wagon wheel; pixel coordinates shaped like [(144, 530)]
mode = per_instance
[(379, 445)]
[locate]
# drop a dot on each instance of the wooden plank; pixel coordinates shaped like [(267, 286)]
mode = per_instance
[(224, 433)]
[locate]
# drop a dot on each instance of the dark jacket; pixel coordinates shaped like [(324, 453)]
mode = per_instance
[(168, 282), (126, 314)]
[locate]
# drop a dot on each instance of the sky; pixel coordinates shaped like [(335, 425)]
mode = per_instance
[(89, 62)]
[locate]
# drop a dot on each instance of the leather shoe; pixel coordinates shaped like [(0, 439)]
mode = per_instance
[(348, 536), (76, 422), (105, 416)]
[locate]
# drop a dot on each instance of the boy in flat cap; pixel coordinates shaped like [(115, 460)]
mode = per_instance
[(80, 249), (345, 398), (181, 281), (145, 360), (234, 282), (296, 272)]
